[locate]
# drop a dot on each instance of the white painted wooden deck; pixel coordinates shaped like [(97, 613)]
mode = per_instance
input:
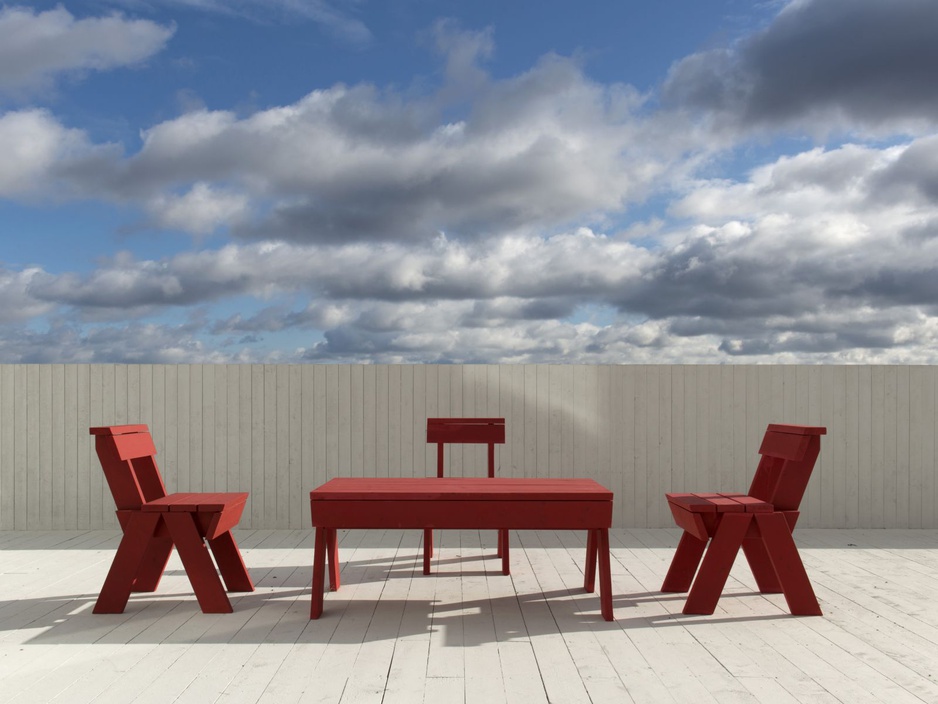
[(467, 633)]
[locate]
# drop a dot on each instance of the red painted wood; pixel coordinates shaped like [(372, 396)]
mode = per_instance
[(716, 564), (465, 430), (154, 522), (784, 556), (684, 564), (319, 573), (501, 503), (716, 525)]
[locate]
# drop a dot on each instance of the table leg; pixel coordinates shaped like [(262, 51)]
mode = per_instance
[(503, 540), (605, 574), (319, 569), (332, 556), (427, 549), (589, 572)]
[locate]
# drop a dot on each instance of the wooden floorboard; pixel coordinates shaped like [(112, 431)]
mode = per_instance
[(467, 633)]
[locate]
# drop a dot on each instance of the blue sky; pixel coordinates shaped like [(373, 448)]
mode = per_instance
[(700, 181)]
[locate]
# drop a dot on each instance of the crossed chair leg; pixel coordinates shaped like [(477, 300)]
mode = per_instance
[(144, 551), (766, 541)]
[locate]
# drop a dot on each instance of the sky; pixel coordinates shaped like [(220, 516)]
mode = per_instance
[(469, 181)]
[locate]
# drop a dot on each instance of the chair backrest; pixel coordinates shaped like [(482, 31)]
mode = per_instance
[(788, 456), (128, 458), (488, 431)]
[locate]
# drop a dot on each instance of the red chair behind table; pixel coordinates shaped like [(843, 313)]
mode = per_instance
[(761, 522), (486, 431), (153, 522)]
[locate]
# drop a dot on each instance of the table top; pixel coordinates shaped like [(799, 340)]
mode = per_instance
[(462, 488)]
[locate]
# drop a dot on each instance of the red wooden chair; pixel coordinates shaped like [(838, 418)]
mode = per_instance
[(153, 522), (761, 522), (487, 431)]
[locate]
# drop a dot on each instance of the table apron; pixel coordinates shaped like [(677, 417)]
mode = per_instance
[(461, 514)]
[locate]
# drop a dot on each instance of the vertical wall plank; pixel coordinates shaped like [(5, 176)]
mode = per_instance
[(382, 421), (652, 413), (395, 427), (209, 414), (640, 440), (196, 428), (369, 403), (7, 457), (258, 483), (916, 444), (851, 472), (691, 479), (561, 420), (70, 446), (271, 453), (219, 438), (56, 444), (295, 459), (419, 425), (281, 470), (678, 428), (903, 407), (344, 419), (661, 515), (406, 464), (242, 469)]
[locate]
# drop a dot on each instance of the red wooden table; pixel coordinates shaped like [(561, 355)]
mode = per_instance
[(462, 503)]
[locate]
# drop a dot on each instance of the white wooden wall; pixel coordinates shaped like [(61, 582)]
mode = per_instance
[(278, 431)]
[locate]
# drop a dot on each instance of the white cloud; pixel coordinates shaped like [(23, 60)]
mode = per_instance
[(200, 211), (536, 152), (36, 47), (33, 145)]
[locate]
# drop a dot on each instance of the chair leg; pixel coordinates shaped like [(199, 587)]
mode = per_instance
[(153, 564), (761, 566), (684, 564), (230, 563), (717, 563), (118, 584), (198, 563), (788, 566)]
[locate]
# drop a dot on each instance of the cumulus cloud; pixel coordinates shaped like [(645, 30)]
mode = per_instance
[(201, 210), (36, 148), (36, 47), (16, 304), (821, 64), (534, 152)]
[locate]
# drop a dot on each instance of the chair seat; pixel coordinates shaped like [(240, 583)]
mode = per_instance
[(200, 502), (719, 503)]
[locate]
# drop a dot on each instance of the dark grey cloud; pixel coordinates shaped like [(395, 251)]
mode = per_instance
[(821, 63)]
